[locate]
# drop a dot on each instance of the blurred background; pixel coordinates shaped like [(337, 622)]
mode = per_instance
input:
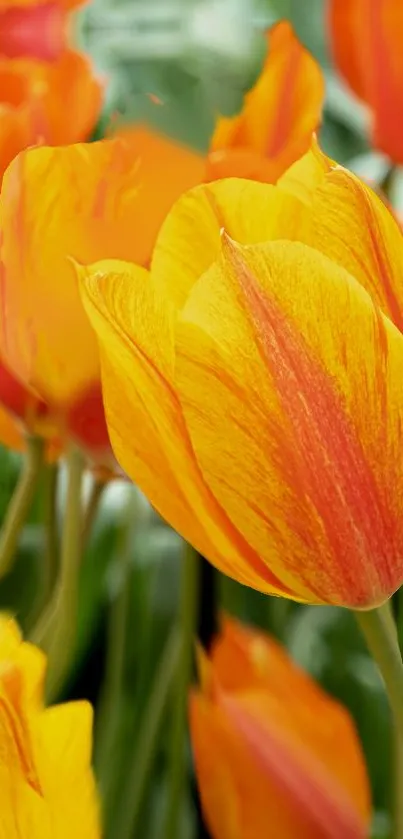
[(176, 64)]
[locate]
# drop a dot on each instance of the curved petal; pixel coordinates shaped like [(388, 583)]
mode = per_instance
[(147, 431), (241, 163), (345, 21), (17, 118), (289, 379), (47, 215), (348, 222), (250, 212), (252, 775), (282, 109), (64, 762), (71, 97), (245, 659), (367, 47)]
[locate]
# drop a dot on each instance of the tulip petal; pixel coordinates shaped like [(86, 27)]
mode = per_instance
[(320, 806), (366, 36), (148, 434), (348, 222), (64, 759), (244, 659), (289, 379), (282, 109), (250, 213), (47, 341), (351, 225), (72, 97)]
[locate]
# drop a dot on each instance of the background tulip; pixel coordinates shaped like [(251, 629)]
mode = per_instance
[(278, 117), (67, 222), (271, 748), (366, 42)]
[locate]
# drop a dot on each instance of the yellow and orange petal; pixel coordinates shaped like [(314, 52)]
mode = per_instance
[(139, 393), (280, 114), (348, 222), (47, 788), (365, 37), (271, 748)]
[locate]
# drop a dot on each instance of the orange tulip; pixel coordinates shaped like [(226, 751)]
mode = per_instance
[(280, 114), (76, 203), (366, 41), (54, 103), (32, 29), (272, 749), (265, 383)]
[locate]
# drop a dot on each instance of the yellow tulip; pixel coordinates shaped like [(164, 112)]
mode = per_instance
[(253, 386), (47, 789)]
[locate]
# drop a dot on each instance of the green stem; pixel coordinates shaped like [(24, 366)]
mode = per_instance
[(20, 503), (56, 629), (113, 687), (50, 564), (381, 637), (49, 561), (177, 756), (139, 772), (91, 509)]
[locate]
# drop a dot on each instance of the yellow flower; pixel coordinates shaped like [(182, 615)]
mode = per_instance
[(253, 387), (47, 789)]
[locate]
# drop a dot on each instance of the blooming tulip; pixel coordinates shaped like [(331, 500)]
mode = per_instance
[(272, 749), (76, 203), (264, 383), (279, 115), (47, 786), (366, 41)]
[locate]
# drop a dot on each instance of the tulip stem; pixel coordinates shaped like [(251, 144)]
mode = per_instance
[(20, 503), (112, 696), (56, 629), (91, 510), (177, 755), (148, 741), (380, 634)]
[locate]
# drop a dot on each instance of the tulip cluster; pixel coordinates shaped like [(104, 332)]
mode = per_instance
[(225, 330)]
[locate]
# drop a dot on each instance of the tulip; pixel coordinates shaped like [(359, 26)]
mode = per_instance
[(264, 383), (366, 42), (46, 103), (275, 126), (47, 786), (271, 748), (76, 203), (32, 29)]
